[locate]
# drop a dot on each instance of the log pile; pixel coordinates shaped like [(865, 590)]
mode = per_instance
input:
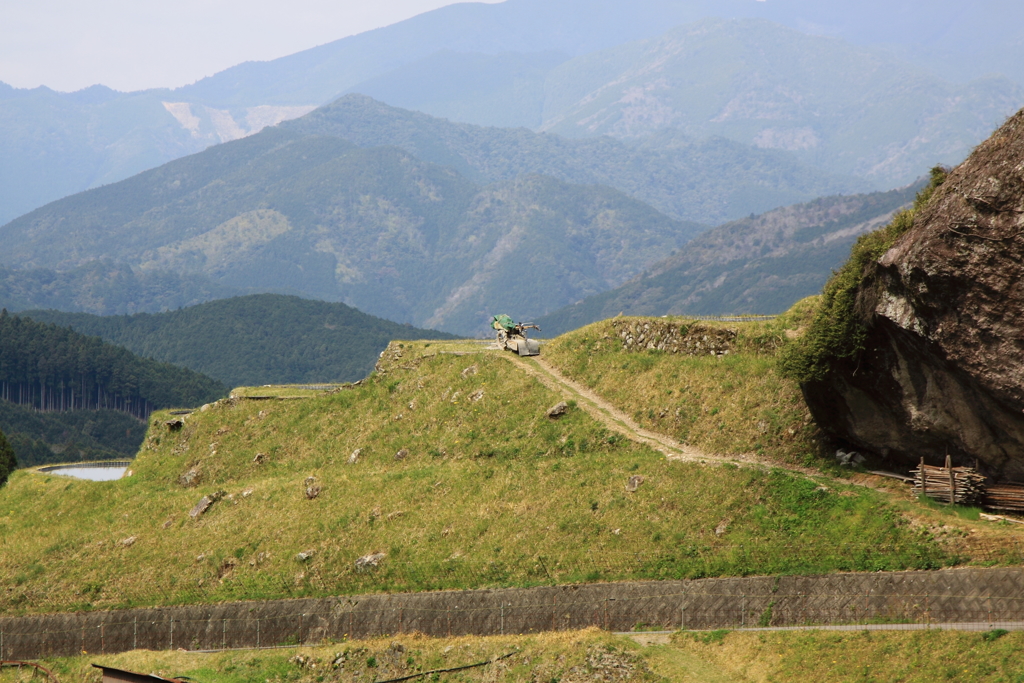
[(959, 485), (1005, 497)]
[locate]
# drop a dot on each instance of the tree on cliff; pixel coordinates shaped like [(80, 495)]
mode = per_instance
[(8, 463)]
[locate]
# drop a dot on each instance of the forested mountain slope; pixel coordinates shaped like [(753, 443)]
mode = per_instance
[(253, 340), (104, 287), (376, 228), (68, 396), (762, 264), (707, 180)]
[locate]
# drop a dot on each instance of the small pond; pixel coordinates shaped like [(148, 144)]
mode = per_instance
[(93, 471)]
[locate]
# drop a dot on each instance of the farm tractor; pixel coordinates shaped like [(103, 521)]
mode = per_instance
[(512, 335)]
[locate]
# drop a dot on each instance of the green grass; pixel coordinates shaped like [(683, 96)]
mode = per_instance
[(717, 656), (544, 657), (879, 656), (491, 493), (735, 403)]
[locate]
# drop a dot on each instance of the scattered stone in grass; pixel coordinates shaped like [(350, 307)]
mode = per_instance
[(412, 405), (634, 483), (616, 531), (369, 562), (205, 407), (204, 504), (470, 371), (476, 395), (262, 414), (395, 515), (354, 457), (312, 491), (260, 458), (396, 647), (246, 493), (201, 507), (128, 542), (168, 523), (402, 454), (305, 555), (455, 397), (558, 410), (222, 430), (174, 425), (303, 661), (446, 532), (191, 478), (722, 527), (200, 557), (375, 513)]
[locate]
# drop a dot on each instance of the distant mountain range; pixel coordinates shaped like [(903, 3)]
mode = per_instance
[(759, 265), (749, 81), (252, 340), (300, 209), (570, 65)]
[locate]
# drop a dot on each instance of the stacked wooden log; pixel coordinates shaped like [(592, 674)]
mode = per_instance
[(959, 485), (1005, 497)]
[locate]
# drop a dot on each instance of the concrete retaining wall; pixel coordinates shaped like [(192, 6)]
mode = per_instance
[(959, 595)]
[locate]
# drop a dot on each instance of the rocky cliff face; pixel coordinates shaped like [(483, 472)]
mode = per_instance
[(943, 366)]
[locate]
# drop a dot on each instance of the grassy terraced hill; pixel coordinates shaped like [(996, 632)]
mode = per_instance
[(461, 480)]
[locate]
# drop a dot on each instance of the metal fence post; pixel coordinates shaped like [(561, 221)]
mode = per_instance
[(135, 634), (502, 631), (172, 633)]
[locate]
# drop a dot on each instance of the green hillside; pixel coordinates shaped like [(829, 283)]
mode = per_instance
[(253, 340), (396, 237), (459, 477), (759, 265), (68, 396), (40, 438)]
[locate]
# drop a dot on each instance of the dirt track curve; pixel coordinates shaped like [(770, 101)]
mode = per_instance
[(613, 418)]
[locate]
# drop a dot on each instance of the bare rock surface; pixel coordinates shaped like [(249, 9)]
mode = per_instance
[(943, 366)]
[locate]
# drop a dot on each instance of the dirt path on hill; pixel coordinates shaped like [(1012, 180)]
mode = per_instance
[(613, 418)]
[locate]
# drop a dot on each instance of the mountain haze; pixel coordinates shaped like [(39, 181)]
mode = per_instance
[(759, 265), (494, 64), (374, 227), (707, 181)]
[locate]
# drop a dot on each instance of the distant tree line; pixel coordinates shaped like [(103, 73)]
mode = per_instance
[(51, 368)]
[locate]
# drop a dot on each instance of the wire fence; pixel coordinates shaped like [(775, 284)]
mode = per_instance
[(969, 596)]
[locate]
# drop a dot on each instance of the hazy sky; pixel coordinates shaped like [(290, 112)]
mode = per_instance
[(134, 44)]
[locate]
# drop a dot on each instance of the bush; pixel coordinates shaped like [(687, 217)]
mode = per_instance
[(8, 463), (836, 332)]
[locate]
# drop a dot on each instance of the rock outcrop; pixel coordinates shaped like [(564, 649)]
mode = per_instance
[(943, 365)]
